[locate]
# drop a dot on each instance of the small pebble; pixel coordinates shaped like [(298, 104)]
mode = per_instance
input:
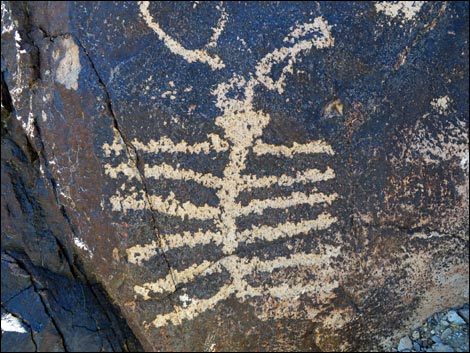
[(439, 347), (444, 323), (405, 343), (416, 347), (446, 333), (464, 314), (455, 318)]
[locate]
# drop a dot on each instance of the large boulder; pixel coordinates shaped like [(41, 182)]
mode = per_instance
[(245, 176)]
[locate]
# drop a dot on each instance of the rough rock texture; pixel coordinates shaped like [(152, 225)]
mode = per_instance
[(443, 332), (242, 176)]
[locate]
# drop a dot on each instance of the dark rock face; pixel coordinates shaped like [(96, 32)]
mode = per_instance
[(237, 176), (53, 313), (48, 305)]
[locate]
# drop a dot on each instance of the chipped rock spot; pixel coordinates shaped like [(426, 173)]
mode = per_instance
[(116, 254), (434, 149), (68, 68), (464, 162), (81, 245), (441, 105), (185, 300), (333, 109)]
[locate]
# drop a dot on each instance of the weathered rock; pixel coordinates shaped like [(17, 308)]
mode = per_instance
[(246, 176), (464, 314), (405, 344), (455, 318), (440, 347), (47, 304), (416, 347), (444, 334)]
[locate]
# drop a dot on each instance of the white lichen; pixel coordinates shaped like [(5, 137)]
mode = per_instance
[(11, 323), (68, 68)]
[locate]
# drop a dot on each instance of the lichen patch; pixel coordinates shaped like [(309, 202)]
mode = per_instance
[(68, 67)]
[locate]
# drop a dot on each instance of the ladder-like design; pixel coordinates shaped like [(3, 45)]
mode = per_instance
[(243, 129)]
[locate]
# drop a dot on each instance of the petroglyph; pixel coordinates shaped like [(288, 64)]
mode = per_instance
[(242, 129), (403, 10), (175, 47), (239, 269)]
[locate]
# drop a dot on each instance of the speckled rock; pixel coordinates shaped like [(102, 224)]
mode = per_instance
[(464, 314), (405, 344), (436, 334), (248, 176)]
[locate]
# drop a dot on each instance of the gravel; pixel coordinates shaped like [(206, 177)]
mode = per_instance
[(405, 344), (443, 332), (453, 317)]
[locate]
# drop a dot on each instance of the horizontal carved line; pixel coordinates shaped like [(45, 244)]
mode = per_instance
[(167, 285), (319, 146), (258, 206), (166, 171), (239, 268), (137, 254), (286, 230), (302, 177), (165, 144), (172, 207)]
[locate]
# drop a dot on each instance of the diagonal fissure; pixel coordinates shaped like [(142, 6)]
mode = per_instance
[(133, 156), (48, 312), (23, 321)]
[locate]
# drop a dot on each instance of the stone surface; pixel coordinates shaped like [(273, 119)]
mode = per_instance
[(242, 176), (405, 344), (439, 347), (56, 313), (454, 318), (464, 314), (437, 335), (47, 303)]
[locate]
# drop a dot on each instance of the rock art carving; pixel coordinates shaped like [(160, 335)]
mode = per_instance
[(243, 130)]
